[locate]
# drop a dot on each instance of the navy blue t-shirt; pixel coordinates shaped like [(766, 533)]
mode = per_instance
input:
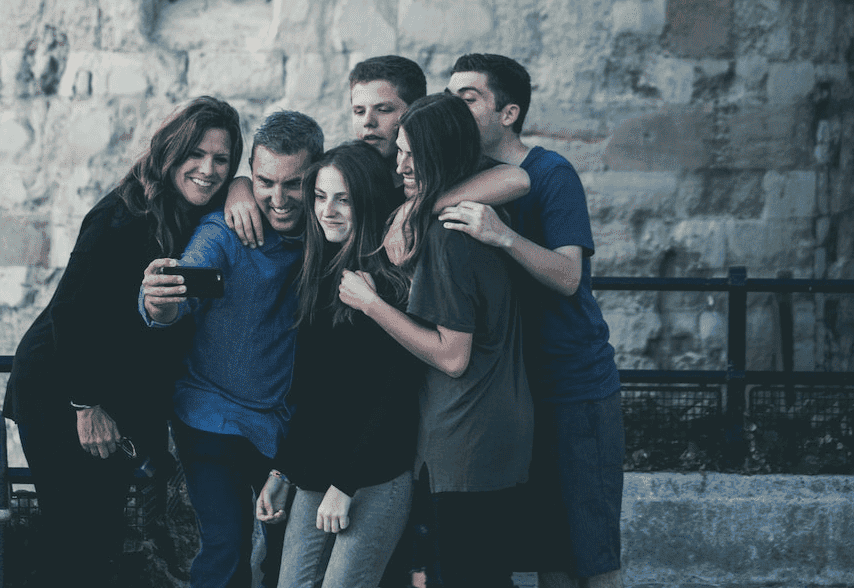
[(567, 354)]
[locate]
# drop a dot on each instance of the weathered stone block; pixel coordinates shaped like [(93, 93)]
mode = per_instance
[(294, 27), (755, 137), (765, 246), (243, 74), (700, 28), (790, 82), (615, 246), (12, 285), (43, 62), (358, 25), (444, 24), (789, 196), (669, 140), (16, 135), (120, 74), (23, 241), (751, 69), (89, 131), (304, 76), (638, 16), (127, 25), (79, 20), (215, 25), (630, 333), (10, 65), (674, 79), (621, 195), (724, 193), (704, 237), (16, 22), (762, 333), (12, 189)]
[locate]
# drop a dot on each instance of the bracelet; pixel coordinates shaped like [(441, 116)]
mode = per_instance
[(76, 406)]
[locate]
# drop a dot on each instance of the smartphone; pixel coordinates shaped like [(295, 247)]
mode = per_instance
[(201, 282)]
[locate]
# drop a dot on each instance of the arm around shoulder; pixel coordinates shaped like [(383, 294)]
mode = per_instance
[(498, 185), (446, 350)]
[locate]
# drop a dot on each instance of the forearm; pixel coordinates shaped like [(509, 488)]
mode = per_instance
[(559, 270), (428, 344), (498, 185)]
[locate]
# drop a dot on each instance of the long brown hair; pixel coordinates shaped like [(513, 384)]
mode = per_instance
[(147, 189), (371, 192), (445, 144)]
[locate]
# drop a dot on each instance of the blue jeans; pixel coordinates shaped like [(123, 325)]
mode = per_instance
[(577, 486), (354, 557), (223, 473)]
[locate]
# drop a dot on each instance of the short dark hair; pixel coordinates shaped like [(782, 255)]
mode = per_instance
[(372, 196), (445, 143), (404, 74), (508, 81), (286, 132)]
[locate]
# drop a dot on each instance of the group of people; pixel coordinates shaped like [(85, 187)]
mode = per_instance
[(407, 336)]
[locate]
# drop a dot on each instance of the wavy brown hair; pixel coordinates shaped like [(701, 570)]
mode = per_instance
[(148, 190)]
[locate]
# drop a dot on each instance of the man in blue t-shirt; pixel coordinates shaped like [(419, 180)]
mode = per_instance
[(579, 441), (230, 405)]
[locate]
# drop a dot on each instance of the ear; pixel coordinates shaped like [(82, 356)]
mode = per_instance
[(509, 114)]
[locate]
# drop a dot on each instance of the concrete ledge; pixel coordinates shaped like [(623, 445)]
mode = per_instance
[(718, 529)]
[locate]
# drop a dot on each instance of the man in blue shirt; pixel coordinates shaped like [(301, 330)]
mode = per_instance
[(578, 435), (230, 406)]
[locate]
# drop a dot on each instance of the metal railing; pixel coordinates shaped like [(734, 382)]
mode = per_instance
[(735, 379)]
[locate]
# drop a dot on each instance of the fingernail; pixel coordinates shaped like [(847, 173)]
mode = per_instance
[(260, 243)]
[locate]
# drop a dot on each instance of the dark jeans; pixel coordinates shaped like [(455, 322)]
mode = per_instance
[(472, 538), (223, 473), (81, 499), (576, 487)]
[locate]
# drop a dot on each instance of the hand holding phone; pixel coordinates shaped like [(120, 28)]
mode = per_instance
[(201, 282)]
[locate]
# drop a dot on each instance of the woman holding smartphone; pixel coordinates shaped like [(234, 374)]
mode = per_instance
[(89, 381), (351, 441)]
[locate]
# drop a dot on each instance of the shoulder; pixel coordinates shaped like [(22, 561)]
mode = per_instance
[(542, 162), (109, 219), (213, 225), (551, 173)]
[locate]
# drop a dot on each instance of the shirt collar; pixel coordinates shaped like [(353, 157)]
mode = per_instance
[(273, 240)]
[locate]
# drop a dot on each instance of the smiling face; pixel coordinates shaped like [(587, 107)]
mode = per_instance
[(472, 87), (376, 114), (202, 174), (276, 183), (332, 205), (406, 166)]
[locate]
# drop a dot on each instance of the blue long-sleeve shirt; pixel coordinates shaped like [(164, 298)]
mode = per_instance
[(240, 365)]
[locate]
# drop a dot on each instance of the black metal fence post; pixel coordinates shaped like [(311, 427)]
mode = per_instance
[(734, 446), (5, 507)]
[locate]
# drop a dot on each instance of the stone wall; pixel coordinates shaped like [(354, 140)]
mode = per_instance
[(708, 133)]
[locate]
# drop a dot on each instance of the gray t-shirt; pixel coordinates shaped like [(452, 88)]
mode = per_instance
[(475, 431)]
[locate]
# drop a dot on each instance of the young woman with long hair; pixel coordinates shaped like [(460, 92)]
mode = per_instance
[(475, 427), (351, 442), (89, 381)]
